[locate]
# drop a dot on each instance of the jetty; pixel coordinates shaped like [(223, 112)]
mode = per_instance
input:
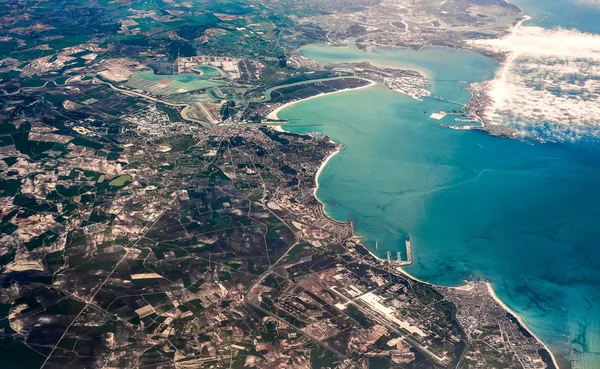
[(398, 262), (439, 98), (408, 250), (409, 260)]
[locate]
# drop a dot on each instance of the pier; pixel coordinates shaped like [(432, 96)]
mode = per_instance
[(398, 262), (409, 259), (408, 251), (439, 98)]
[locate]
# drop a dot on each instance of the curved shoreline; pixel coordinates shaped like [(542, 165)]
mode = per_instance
[(319, 173), (469, 286), (274, 115), (513, 313)]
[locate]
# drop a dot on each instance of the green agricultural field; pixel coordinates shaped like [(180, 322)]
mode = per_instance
[(120, 181)]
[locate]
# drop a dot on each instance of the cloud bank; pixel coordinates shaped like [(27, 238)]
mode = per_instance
[(549, 85), (594, 3)]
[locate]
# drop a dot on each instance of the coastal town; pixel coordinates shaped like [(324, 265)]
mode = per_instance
[(155, 213)]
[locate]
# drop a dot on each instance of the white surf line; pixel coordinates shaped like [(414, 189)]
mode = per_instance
[(511, 311), (323, 165), (273, 115)]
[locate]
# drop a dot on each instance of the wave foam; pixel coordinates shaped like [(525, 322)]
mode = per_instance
[(550, 83)]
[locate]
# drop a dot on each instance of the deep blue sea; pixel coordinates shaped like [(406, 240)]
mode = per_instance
[(518, 213)]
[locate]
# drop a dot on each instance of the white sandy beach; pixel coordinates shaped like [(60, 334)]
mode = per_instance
[(273, 114), (495, 297), (320, 170), (466, 287), (469, 286)]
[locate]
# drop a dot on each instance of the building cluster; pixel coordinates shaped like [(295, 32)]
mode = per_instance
[(375, 313), (493, 330), (152, 122), (406, 82), (142, 228), (414, 24), (226, 64)]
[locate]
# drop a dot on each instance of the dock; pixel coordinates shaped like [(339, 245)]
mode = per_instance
[(409, 258), (439, 98), (398, 261), (408, 251)]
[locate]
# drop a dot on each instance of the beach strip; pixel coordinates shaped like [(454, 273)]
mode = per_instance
[(466, 287), (319, 173), (469, 286), (511, 311), (273, 115)]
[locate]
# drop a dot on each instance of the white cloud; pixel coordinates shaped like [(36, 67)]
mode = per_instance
[(594, 3), (550, 83)]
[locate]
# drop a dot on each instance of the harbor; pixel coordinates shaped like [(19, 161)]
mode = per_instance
[(399, 262)]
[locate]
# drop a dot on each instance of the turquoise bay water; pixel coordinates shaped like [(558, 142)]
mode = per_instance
[(571, 14), (521, 215)]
